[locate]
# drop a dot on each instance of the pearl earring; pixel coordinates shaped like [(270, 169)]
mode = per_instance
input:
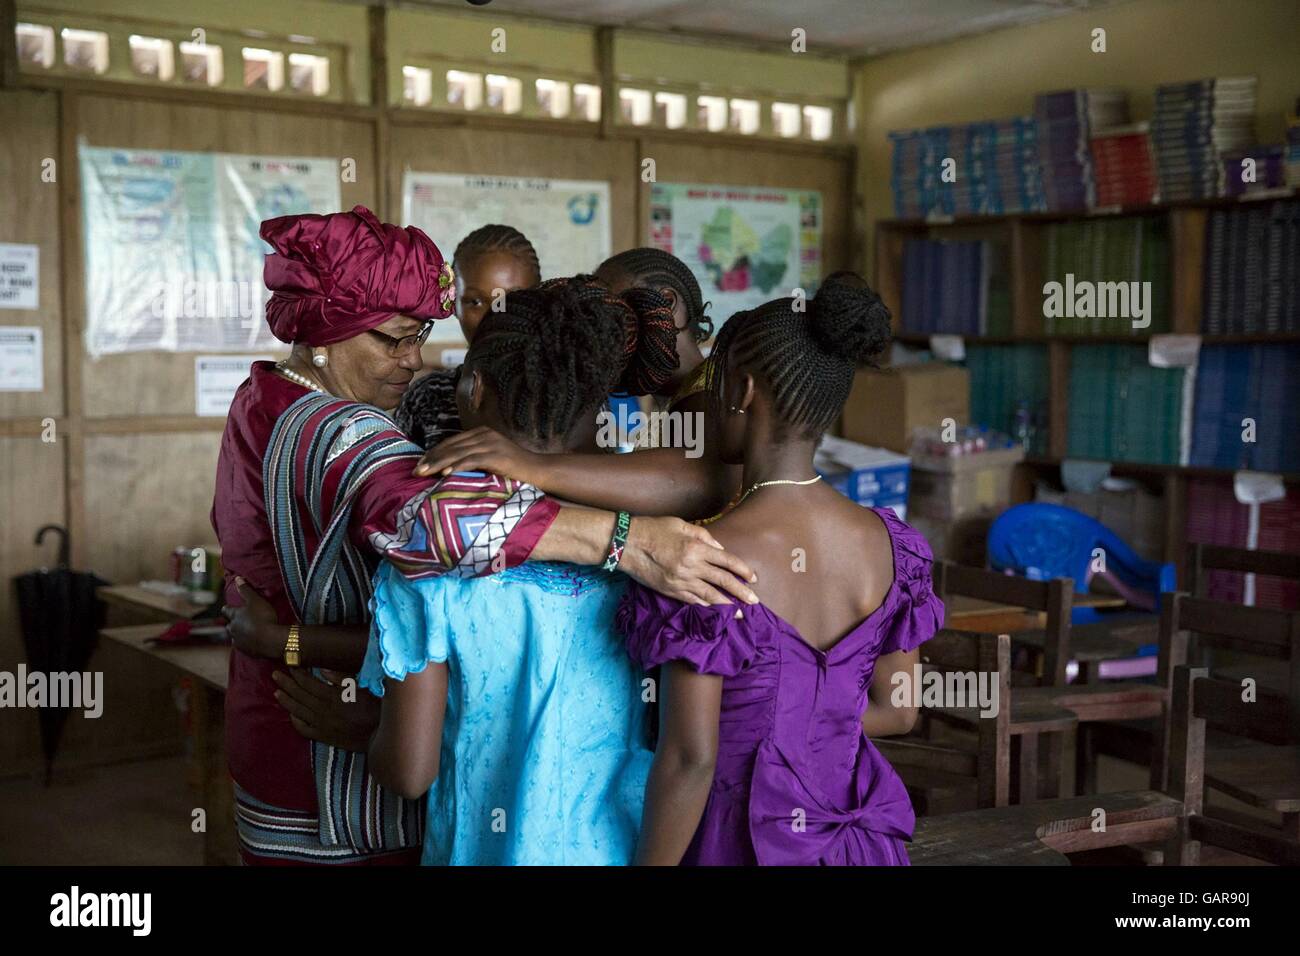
[(320, 360)]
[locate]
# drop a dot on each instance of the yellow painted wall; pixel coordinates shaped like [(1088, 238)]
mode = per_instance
[(997, 74)]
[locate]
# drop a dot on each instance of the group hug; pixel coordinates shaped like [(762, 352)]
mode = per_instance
[(466, 633)]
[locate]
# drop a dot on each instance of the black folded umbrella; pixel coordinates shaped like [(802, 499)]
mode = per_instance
[(61, 619)]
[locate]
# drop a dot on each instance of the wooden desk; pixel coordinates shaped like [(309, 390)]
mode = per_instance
[(208, 667), (990, 617), (149, 604)]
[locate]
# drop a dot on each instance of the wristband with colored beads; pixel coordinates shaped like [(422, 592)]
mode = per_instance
[(616, 544)]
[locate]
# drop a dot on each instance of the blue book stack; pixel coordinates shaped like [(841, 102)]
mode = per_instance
[(1194, 125), (1236, 383), (1252, 270), (995, 169), (945, 286), (1065, 121)]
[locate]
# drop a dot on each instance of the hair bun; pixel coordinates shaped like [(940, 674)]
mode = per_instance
[(849, 320)]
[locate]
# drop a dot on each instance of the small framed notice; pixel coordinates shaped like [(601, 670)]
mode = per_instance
[(216, 379), (20, 276), (22, 359)]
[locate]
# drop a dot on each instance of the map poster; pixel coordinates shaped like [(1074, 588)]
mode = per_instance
[(567, 221), (745, 244), (173, 256)]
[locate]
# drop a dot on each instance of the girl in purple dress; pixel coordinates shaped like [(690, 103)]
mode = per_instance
[(763, 755)]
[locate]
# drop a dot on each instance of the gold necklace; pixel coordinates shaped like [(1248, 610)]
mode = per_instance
[(293, 376), (754, 487)]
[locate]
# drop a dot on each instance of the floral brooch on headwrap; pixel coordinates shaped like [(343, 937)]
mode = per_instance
[(447, 285)]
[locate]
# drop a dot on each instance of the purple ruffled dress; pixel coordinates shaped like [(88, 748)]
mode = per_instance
[(797, 781)]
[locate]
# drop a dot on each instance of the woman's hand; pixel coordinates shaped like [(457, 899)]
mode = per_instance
[(254, 628), (684, 562), (320, 712), (480, 449)]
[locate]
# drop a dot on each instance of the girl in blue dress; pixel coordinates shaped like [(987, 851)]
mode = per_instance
[(509, 699)]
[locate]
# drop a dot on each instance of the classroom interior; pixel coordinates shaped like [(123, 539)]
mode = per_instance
[(1108, 496)]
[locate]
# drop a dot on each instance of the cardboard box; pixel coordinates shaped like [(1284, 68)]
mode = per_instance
[(954, 487), (873, 477), (886, 405), (1135, 515), (964, 540)]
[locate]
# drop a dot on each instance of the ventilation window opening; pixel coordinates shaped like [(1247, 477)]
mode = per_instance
[(464, 90), (711, 113), (553, 98), (309, 73), (504, 93), (417, 86), (586, 102), (786, 119), (263, 69), (35, 44), (85, 50), (152, 57), (635, 106), (819, 122), (670, 110), (744, 117), (202, 63)]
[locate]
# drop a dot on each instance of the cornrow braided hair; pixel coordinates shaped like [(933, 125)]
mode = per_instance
[(552, 356), (806, 358), (649, 333), (498, 238), (656, 269)]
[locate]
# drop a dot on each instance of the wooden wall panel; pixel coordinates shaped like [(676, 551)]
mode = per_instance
[(29, 214), (680, 162), (162, 383), (31, 495)]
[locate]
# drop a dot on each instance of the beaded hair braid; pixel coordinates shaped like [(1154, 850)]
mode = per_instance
[(806, 358), (656, 269)]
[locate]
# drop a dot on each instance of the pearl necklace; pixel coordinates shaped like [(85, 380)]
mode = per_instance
[(754, 487), (293, 376)]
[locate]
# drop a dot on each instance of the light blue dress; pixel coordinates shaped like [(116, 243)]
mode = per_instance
[(544, 746)]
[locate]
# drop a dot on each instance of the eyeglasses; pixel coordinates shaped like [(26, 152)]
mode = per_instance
[(406, 343)]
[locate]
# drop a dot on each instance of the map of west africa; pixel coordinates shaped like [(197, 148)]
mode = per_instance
[(736, 259)]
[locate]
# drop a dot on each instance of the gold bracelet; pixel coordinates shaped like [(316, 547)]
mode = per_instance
[(291, 647)]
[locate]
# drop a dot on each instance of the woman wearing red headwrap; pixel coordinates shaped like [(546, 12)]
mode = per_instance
[(315, 483)]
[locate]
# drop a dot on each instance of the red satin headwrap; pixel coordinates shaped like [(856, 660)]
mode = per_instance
[(339, 275)]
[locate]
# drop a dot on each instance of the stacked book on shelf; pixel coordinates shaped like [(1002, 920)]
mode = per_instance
[(1129, 249), (1252, 270), (1121, 408), (1066, 119), (994, 170), (1293, 149), (1123, 166), (1237, 385), (1215, 516), (1009, 391), (1257, 169), (1194, 126), (958, 288)]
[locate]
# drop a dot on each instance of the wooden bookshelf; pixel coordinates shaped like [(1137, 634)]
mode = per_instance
[(1022, 236)]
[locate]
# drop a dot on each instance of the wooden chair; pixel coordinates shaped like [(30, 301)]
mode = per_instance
[(937, 773), (1041, 833)]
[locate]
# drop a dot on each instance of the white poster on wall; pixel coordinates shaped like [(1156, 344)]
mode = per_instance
[(20, 276), (567, 221), (216, 379), (22, 353), (173, 255)]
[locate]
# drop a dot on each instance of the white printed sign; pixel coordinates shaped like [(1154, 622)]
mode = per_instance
[(21, 359), (20, 276), (216, 379)]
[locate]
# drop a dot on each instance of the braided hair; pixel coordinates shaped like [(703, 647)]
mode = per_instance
[(653, 268), (649, 356), (554, 353), (498, 238), (806, 358)]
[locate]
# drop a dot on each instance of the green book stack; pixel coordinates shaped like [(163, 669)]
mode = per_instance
[(1121, 408), (1003, 376), (1128, 249)]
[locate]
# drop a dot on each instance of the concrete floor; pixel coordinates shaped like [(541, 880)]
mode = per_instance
[(122, 814)]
